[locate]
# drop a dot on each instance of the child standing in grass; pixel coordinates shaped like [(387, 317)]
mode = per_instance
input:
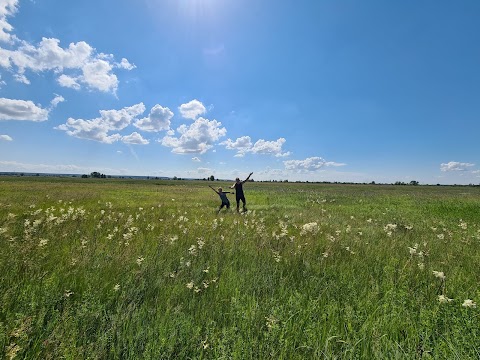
[(223, 197)]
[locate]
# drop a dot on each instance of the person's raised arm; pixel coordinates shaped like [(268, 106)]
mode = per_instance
[(212, 188), (248, 177)]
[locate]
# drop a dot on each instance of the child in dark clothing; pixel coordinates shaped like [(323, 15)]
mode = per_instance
[(223, 197)]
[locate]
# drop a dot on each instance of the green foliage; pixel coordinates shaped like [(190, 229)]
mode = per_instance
[(128, 269)]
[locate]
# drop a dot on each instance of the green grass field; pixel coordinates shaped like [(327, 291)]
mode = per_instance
[(123, 269)]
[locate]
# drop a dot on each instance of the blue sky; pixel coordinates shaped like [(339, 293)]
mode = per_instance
[(355, 91)]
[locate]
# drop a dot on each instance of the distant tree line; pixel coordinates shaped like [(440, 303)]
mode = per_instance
[(95, 175)]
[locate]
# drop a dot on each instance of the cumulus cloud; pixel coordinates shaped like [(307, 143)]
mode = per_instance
[(11, 109), (455, 166), (68, 82), (196, 138), (7, 8), (244, 145), (157, 120), (125, 64), (196, 159), (5, 138), (98, 129), (309, 164), (134, 138), (192, 109), (270, 147), (77, 65)]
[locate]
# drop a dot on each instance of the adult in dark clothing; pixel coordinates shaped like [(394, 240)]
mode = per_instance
[(239, 195)]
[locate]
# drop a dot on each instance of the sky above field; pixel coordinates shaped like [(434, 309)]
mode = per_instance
[(348, 91)]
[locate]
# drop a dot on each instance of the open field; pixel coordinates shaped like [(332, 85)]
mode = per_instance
[(100, 269)]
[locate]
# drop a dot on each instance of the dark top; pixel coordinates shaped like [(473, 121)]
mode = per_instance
[(239, 189)]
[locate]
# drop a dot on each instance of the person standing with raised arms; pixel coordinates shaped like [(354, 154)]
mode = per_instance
[(239, 195)]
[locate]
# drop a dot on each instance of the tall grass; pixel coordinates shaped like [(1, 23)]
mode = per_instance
[(146, 269)]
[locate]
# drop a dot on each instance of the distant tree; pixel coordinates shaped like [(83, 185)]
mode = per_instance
[(84, 176), (211, 178), (175, 178), (414, 182)]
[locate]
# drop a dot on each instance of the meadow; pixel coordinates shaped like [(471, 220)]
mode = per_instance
[(146, 269)]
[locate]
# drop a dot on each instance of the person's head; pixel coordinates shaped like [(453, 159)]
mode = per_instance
[(219, 189), (237, 180)]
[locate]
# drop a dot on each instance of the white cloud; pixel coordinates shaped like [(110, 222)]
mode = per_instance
[(11, 109), (5, 138), (309, 164), (196, 159), (192, 109), (57, 100), (125, 64), (7, 8), (269, 147), (97, 129), (77, 65), (244, 145), (134, 138), (196, 138), (455, 166), (97, 74), (241, 145), (157, 120), (68, 82)]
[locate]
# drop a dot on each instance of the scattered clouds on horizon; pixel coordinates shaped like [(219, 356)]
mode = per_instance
[(14, 166), (455, 166)]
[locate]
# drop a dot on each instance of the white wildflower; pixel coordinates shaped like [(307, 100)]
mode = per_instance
[(309, 228), (439, 274), (469, 303), (443, 299)]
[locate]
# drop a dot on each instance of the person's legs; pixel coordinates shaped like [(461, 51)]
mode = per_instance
[(244, 203), (238, 204)]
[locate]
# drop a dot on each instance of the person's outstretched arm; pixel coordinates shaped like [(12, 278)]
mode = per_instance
[(248, 177), (213, 189)]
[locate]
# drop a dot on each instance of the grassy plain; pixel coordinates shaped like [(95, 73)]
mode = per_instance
[(124, 269)]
